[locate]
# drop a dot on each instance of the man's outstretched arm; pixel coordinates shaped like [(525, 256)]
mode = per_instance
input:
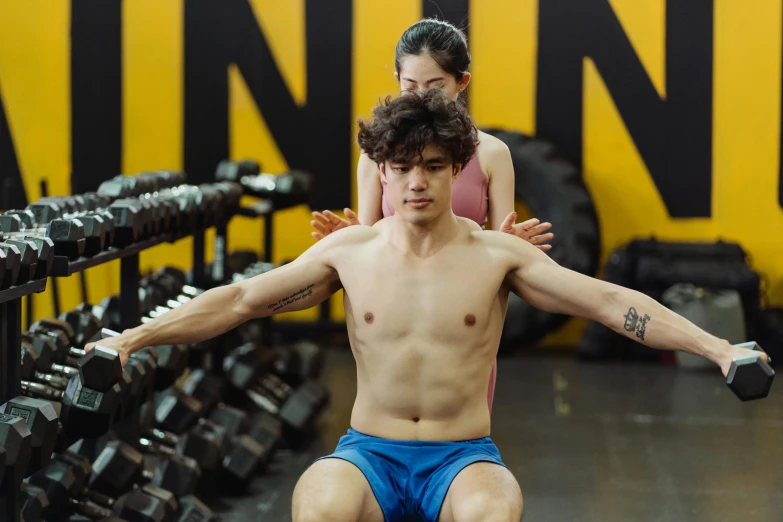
[(550, 287), (299, 285)]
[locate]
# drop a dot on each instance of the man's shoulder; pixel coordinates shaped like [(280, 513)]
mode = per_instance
[(351, 236)]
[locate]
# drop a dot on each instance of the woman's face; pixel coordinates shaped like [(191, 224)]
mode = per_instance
[(420, 72)]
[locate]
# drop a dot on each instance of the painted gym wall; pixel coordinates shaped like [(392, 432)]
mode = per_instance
[(673, 108)]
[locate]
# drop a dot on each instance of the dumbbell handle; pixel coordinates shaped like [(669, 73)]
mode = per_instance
[(42, 391), (55, 381), (751, 345), (67, 371), (155, 447), (92, 511)]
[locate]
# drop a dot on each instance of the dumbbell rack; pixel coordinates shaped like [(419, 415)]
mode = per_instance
[(11, 321), (10, 365)]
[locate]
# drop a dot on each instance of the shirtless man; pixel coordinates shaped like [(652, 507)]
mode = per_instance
[(425, 301)]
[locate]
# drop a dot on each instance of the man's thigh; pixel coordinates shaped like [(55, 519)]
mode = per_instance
[(334, 490), (483, 491)]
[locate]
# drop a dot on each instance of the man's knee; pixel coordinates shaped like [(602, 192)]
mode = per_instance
[(330, 490), (488, 506)]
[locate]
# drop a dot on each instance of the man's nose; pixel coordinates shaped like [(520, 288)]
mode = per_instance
[(417, 180)]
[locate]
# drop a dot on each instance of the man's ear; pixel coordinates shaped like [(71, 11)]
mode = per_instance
[(456, 171), (382, 168)]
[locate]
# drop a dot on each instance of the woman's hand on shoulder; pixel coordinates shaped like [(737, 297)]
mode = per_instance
[(327, 222), (532, 231)]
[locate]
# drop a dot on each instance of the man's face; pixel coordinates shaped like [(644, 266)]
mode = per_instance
[(420, 189)]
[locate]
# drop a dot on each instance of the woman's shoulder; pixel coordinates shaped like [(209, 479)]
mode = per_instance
[(490, 144), (493, 154)]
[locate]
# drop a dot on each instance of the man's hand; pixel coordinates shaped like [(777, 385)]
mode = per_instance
[(735, 352), (118, 343), (327, 222), (531, 231)]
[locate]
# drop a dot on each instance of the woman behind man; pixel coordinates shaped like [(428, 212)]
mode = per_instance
[(434, 54)]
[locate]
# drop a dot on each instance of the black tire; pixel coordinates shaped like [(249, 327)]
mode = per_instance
[(553, 189)]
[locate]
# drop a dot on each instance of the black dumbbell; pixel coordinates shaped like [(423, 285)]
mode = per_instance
[(44, 250), (96, 229), (30, 370), (16, 439), (750, 378), (12, 263), (67, 235), (35, 503), (206, 388), (28, 258), (63, 481), (119, 467), (100, 369), (84, 412), (41, 421), (248, 370)]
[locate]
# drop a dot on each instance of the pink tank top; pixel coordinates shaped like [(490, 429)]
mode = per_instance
[(469, 197)]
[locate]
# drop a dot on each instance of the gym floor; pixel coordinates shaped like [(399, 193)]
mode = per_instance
[(595, 442)]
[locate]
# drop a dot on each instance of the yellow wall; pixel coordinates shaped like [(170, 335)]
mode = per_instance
[(35, 80)]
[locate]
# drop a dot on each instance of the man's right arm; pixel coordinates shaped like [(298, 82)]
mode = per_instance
[(298, 285)]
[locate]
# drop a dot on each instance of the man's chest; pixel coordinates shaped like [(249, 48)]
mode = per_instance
[(443, 295)]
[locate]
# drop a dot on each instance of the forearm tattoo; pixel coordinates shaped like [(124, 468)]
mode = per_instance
[(633, 322), (291, 299)]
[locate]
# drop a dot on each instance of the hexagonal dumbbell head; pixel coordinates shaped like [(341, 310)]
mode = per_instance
[(235, 170), (35, 502), (177, 474), (68, 237), (192, 509), (141, 507), (26, 217), (10, 223), (45, 247), (16, 438), (87, 413), (100, 368), (28, 259), (45, 211), (42, 422), (12, 265), (750, 378)]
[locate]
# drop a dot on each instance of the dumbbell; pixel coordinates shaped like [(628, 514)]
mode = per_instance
[(30, 371), (28, 257), (248, 371), (284, 190), (84, 412), (240, 454), (64, 483), (44, 247), (29, 444), (67, 235), (96, 231), (35, 503), (12, 264), (119, 467), (99, 369), (749, 377)]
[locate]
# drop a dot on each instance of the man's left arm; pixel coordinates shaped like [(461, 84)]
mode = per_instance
[(552, 288)]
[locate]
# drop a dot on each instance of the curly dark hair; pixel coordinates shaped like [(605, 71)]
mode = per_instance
[(402, 127)]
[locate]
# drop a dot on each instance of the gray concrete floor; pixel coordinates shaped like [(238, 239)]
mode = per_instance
[(594, 442)]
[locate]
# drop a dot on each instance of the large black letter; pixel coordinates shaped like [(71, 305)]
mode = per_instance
[(316, 137), (96, 92), (674, 136), (454, 11), (11, 185)]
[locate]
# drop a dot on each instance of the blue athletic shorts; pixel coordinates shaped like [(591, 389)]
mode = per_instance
[(410, 478)]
